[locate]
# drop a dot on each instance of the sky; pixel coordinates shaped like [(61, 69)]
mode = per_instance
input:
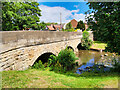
[(50, 11)]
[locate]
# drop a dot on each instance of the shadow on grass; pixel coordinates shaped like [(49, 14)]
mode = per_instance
[(91, 74), (98, 42)]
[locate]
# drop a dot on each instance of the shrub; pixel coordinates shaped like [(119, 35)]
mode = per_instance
[(116, 64), (85, 41), (65, 61), (69, 25), (69, 30), (38, 65), (88, 29)]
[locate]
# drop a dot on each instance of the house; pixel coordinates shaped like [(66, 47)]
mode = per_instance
[(54, 27), (57, 27), (74, 23), (50, 28)]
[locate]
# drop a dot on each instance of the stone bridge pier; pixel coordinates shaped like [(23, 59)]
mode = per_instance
[(20, 49)]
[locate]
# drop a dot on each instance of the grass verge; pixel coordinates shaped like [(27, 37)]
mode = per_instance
[(35, 78), (98, 45)]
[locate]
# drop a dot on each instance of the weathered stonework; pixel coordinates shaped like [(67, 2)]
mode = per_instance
[(21, 49)]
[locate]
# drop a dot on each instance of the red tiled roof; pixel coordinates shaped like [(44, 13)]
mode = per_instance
[(74, 23), (57, 26), (50, 28)]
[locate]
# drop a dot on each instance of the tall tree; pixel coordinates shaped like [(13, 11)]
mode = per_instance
[(20, 15), (69, 26), (81, 25), (42, 26), (106, 23)]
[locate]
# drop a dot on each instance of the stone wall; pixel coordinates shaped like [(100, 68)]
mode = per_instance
[(22, 58), (16, 39), (20, 49)]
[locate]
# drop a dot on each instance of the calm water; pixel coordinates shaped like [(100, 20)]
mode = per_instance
[(88, 58)]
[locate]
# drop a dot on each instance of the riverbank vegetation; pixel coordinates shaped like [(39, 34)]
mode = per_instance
[(85, 42), (63, 62)]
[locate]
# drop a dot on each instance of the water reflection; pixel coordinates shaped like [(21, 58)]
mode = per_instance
[(86, 55), (87, 59), (84, 67)]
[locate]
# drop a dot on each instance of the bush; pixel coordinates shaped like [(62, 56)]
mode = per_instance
[(88, 29), (69, 25), (116, 64), (85, 41), (65, 61), (69, 30), (38, 65)]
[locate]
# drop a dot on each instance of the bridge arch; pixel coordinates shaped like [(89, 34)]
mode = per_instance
[(70, 47), (41, 54), (80, 47), (44, 57)]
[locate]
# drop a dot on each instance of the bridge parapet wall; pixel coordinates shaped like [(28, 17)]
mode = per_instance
[(16, 39)]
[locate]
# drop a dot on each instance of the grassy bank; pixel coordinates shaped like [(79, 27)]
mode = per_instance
[(35, 78), (98, 45)]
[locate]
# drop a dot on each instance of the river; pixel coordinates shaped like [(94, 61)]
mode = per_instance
[(88, 58)]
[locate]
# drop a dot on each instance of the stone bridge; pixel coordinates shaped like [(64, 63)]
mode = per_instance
[(20, 49)]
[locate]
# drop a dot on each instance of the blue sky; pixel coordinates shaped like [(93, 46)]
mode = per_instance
[(62, 0), (70, 10), (68, 5)]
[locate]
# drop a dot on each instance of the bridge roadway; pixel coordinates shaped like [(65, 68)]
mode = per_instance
[(20, 49)]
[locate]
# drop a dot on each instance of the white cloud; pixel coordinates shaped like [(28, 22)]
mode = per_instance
[(79, 17), (52, 14), (76, 6), (75, 11)]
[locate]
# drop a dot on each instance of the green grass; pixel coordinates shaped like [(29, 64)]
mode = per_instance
[(98, 45), (35, 78), (0, 80)]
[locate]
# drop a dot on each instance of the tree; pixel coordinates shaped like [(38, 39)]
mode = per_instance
[(20, 15), (42, 26), (69, 26), (65, 61), (81, 25), (85, 41), (51, 23), (106, 23)]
